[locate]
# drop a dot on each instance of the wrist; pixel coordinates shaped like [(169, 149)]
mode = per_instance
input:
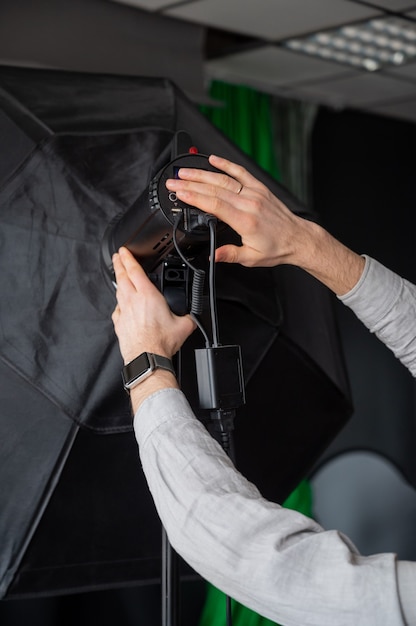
[(131, 354), (160, 379), (330, 261)]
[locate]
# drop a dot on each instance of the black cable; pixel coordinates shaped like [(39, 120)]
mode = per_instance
[(199, 275), (202, 329), (212, 299), (178, 220)]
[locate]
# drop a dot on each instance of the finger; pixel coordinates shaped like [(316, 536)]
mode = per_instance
[(115, 315), (134, 271), (119, 270), (226, 254), (127, 285), (210, 200), (215, 179), (236, 171), (232, 173), (236, 254), (187, 326), (122, 266), (230, 254)]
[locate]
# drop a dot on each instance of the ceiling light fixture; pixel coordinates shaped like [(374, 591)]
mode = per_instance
[(368, 45)]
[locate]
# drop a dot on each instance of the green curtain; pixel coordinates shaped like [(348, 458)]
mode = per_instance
[(246, 117)]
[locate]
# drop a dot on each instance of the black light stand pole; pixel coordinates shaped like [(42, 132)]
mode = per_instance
[(220, 389), (170, 587), (170, 584)]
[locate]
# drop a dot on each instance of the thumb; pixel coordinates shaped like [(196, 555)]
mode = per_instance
[(228, 254)]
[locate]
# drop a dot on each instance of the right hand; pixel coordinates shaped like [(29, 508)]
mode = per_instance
[(271, 234)]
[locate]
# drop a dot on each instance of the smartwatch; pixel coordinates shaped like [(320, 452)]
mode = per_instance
[(142, 367)]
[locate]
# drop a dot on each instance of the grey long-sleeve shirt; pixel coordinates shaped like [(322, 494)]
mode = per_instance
[(276, 561)]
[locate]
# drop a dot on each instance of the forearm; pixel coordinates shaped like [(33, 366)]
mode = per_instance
[(278, 562), (327, 259), (386, 304)]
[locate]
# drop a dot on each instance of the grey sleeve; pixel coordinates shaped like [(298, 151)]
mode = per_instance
[(386, 304), (277, 562)]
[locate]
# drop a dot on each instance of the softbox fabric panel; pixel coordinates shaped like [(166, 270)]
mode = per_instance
[(75, 512)]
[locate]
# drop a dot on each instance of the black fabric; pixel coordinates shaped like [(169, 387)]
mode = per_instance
[(82, 518), (35, 440), (74, 102), (15, 146), (54, 216)]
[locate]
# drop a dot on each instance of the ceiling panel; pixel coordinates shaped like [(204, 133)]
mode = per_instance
[(271, 19), (274, 66), (360, 90), (405, 110), (394, 5), (243, 46), (404, 72)]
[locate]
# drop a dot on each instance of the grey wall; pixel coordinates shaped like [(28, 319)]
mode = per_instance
[(101, 36)]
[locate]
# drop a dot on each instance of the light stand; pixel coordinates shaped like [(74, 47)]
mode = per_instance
[(164, 234)]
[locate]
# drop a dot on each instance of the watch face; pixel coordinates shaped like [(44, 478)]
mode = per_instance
[(136, 370)]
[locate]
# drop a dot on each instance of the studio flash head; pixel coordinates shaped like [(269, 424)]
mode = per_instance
[(146, 229)]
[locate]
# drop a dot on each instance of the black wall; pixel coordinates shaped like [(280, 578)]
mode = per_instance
[(364, 189), (364, 184)]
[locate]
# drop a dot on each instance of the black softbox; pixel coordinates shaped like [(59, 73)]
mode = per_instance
[(75, 512)]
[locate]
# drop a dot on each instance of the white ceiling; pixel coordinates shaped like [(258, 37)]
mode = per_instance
[(254, 57)]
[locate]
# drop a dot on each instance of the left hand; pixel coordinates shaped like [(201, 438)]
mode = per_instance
[(142, 318)]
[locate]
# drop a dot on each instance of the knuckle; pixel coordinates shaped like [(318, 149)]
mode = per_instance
[(216, 203), (256, 205), (228, 182), (242, 170), (234, 255)]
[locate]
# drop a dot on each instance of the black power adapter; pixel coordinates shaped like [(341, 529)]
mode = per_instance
[(220, 377)]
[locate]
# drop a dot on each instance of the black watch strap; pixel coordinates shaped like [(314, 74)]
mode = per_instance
[(143, 366)]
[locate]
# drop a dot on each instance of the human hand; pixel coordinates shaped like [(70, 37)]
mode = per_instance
[(142, 318), (271, 234)]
